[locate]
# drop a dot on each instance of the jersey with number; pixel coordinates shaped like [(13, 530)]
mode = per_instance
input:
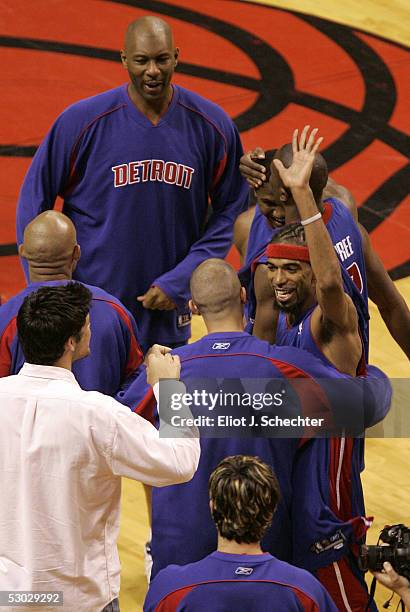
[(226, 582), (115, 354), (139, 195)]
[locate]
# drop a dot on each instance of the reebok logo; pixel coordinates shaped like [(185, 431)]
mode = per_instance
[(221, 346), (243, 571)]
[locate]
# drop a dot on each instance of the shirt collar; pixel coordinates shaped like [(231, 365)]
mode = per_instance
[(226, 334), (47, 372)]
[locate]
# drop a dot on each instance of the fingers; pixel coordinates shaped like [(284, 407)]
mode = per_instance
[(278, 164), (317, 145), (311, 145), (253, 172), (303, 137), (295, 141), (258, 152), (311, 140), (156, 299)]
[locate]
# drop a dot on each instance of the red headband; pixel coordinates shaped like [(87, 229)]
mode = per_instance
[(288, 251)]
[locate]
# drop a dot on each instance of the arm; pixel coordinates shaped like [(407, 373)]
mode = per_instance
[(229, 196), (137, 450), (241, 231), (266, 318), (134, 354), (335, 305), (383, 292), (47, 175)]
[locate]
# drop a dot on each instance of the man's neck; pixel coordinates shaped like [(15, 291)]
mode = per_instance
[(152, 110), (44, 278), (295, 316), (231, 324), (235, 548), (44, 274), (65, 361)]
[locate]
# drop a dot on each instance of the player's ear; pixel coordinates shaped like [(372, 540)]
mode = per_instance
[(70, 345), (242, 295), (176, 56), (75, 256), (193, 307), (123, 59), (21, 250)]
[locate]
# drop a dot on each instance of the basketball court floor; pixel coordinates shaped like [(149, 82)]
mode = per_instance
[(273, 66)]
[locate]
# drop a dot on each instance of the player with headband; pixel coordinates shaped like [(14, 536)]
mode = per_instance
[(316, 314)]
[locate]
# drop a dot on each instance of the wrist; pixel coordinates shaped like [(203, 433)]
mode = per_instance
[(305, 202)]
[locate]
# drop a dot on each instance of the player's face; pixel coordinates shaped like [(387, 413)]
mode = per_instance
[(282, 198), (292, 283), (82, 348), (150, 60), (274, 213)]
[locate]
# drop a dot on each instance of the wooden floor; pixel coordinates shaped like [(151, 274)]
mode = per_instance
[(386, 476)]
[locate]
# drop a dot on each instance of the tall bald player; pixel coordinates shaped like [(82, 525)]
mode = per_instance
[(182, 529), (51, 250), (137, 167)]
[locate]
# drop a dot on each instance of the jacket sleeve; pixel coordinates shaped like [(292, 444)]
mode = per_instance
[(49, 173), (229, 195), (138, 451)]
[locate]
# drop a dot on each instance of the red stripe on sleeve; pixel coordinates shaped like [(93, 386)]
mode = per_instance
[(170, 602), (5, 347), (219, 170), (135, 355), (313, 399), (306, 602), (146, 407)]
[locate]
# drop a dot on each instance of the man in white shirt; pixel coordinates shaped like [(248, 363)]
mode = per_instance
[(62, 454)]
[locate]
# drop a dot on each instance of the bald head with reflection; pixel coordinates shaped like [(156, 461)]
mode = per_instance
[(50, 247)]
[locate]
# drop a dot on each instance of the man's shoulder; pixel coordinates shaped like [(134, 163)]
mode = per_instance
[(209, 111), (88, 109), (9, 309), (225, 344), (103, 299), (174, 577)]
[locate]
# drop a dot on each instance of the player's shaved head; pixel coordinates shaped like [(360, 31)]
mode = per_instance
[(215, 288), (148, 26), (318, 178), (50, 244)]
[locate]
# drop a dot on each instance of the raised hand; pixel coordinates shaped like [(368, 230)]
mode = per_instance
[(298, 174)]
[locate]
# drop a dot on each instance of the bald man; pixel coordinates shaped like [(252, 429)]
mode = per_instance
[(51, 250), (137, 167), (182, 529)]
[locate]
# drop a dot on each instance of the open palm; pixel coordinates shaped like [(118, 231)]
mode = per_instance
[(298, 173)]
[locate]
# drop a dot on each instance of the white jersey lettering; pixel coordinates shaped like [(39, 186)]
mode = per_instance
[(155, 170), (344, 248)]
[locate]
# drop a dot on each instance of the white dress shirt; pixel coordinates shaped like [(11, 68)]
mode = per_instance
[(62, 454)]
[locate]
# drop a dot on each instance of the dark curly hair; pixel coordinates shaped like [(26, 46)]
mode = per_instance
[(244, 494)]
